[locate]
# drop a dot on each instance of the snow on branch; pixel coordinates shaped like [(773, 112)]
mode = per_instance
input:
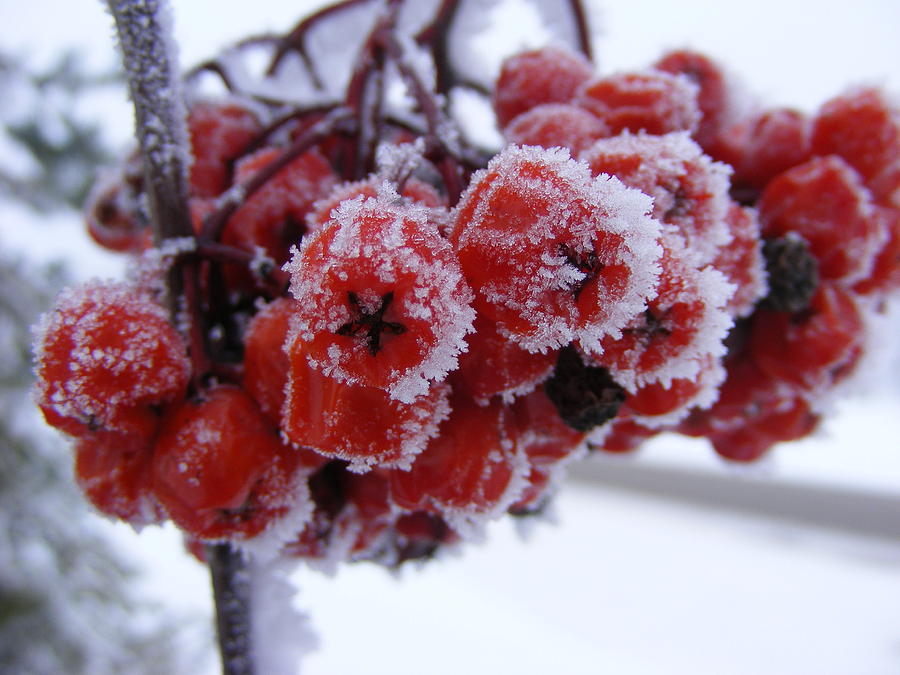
[(144, 29)]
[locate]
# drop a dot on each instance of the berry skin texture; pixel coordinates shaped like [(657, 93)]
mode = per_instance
[(496, 366), (777, 140), (825, 202), (106, 357), (653, 102), (742, 261), (274, 217), (553, 254), (382, 300), (682, 326), (528, 79), (220, 469)]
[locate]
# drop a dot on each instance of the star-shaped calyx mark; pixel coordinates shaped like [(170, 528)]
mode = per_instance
[(586, 263), (370, 325)]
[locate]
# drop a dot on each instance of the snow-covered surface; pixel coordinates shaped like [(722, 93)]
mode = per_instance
[(624, 584)]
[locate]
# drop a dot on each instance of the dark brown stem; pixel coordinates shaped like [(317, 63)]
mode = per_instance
[(230, 576), (582, 28)]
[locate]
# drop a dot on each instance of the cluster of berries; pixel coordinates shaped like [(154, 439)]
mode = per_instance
[(392, 336)]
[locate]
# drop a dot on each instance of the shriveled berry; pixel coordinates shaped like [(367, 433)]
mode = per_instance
[(585, 396), (793, 274)]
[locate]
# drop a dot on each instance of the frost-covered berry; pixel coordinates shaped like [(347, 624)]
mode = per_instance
[(652, 101), (220, 469), (683, 324), (742, 261), (357, 423), (265, 362), (547, 75), (689, 190), (815, 347), (106, 357), (553, 254), (382, 300), (775, 141), (494, 365), (556, 125)]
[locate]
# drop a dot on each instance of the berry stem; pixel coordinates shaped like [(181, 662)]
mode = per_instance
[(230, 577)]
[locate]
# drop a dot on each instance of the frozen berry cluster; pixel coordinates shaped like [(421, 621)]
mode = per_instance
[(387, 334)]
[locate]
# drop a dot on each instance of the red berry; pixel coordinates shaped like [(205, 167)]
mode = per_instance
[(681, 328), (690, 191), (382, 300), (742, 261), (885, 274), (554, 255), (357, 423), (542, 434), (548, 75), (713, 95), (113, 471), (812, 348), (556, 125), (113, 212), (106, 355), (274, 217), (265, 361), (471, 468), (776, 141), (220, 469), (494, 365), (863, 127), (621, 435), (825, 202), (220, 132), (653, 101)]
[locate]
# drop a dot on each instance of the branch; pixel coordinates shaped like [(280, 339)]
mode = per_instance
[(231, 590)]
